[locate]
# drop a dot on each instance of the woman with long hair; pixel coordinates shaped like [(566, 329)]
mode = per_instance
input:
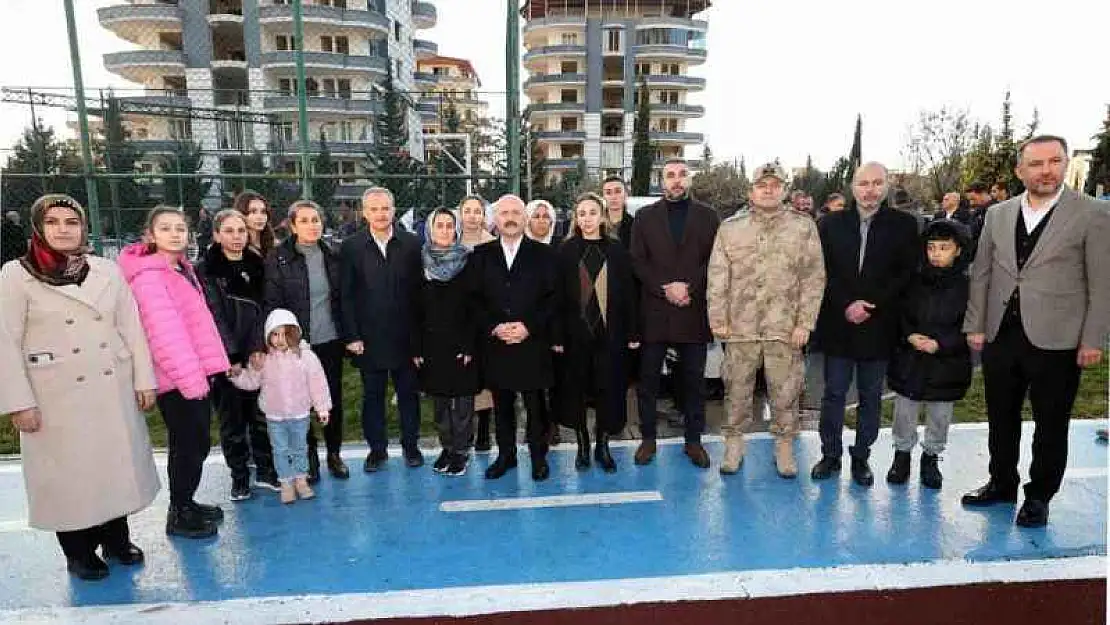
[(233, 276), (599, 314), (77, 378), (302, 276), (256, 211), (474, 231), (186, 350)]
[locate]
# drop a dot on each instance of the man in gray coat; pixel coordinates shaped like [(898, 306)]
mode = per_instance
[(1039, 309)]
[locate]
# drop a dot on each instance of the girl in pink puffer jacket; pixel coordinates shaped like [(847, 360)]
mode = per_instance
[(293, 383), (186, 349)]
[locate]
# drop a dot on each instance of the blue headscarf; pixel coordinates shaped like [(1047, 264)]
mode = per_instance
[(443, 264)]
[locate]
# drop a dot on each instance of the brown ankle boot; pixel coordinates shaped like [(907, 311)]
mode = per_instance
[(646, 452)]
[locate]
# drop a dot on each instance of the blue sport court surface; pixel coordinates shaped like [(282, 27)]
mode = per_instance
[(407, 542)]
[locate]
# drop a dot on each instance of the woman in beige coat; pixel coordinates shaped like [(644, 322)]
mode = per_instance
[(81, 378)]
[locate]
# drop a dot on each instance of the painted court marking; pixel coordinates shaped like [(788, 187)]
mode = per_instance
[(478, 600), (552, 501)]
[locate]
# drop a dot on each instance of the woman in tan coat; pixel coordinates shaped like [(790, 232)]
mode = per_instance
[(77, 378)]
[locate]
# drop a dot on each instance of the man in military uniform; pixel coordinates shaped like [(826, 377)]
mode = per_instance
[(766, 280)]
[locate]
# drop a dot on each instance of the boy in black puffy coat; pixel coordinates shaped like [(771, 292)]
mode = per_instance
[(931, 365)]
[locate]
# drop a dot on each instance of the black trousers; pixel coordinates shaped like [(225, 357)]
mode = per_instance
[(454, 422), (1012, 367), (535, 429), (691, 377), (83, 543), (187, 425), (243, 432), (331, 358)]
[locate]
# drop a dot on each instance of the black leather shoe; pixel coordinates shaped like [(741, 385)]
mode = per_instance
[(500, 467), (540, 470), (337, 467), (825, 468), (697, 455), (313, 467), (602, 454), (1033, 513), (375, 461), (990, 494), (899, 471), (187, 522), (582, 458), (861, 473), (128, 556), (90, 568), (214, 514), (413, 458)]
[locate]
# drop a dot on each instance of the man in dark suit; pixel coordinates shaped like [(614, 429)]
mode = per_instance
[(871, 251), (671, 244), (380, 271), (1039, 310), (515, 300), (952, 206)]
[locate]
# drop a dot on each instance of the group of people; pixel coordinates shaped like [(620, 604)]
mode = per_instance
[(260, 330)]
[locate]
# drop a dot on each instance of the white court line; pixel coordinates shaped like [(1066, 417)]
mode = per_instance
[(552, 501), (480, 600)]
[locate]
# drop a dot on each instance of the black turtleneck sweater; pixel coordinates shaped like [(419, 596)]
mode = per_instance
[(676, 217)]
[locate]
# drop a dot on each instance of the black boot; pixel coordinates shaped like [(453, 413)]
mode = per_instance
[(337, 467), (188, 522), (602, 454), (582, 460), (482, 441), (900, 469), (130, 555), (89, 567), (313, 466), (930, 472)]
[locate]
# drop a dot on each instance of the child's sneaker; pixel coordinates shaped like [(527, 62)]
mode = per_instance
[(457, 466), (441, 462), (288, 493), (304, 491)]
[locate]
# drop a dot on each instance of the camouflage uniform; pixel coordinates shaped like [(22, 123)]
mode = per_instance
[(766, 278)]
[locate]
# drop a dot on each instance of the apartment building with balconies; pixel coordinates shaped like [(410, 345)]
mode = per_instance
[(447, 81), (586, 61), (238, 55)]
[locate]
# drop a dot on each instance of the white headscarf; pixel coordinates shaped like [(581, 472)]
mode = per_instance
[(529, 211)]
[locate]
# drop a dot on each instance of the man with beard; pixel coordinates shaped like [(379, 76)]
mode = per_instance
[(671, 243), (1039, 310), (515, 295)]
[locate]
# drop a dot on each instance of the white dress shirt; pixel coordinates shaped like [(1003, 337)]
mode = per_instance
[(1034, 216), (382, 243), (510, 251)]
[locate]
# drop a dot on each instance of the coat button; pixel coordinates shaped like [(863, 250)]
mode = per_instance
[(99, 317), (76, 350), (80, 378), (103, 346), (107, 372), (69, 322)]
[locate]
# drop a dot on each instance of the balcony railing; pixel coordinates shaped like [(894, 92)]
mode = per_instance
[(287, 58), (319, 13)]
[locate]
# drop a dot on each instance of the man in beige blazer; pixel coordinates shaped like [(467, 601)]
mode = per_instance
[(1039, 310)]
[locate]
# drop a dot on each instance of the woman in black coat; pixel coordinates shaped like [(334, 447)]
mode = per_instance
[(443, 340), (599, 313), (302, 276), (233, 277)]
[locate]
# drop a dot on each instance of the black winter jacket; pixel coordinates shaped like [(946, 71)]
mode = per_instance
[(934, 306), (287, 284), (444, 326), (235, 299)]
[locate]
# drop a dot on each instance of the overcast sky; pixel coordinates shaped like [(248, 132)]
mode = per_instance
[(785, 79)]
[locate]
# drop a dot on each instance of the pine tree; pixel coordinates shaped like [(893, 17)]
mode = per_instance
[(643, 152), (1098, 177), (855, 155), (451, 159), (706, 159), (188, 192), (390, 155), (323, 189), (39, 152), (123, 200), (1005, 152)]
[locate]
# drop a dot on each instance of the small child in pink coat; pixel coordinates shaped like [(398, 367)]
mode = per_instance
[(293, 383)]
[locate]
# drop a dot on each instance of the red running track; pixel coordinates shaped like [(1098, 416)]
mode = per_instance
[(1076, 602)]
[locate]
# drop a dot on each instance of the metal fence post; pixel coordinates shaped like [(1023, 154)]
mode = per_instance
[(512, 93), (302, 99), (83, 122)]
